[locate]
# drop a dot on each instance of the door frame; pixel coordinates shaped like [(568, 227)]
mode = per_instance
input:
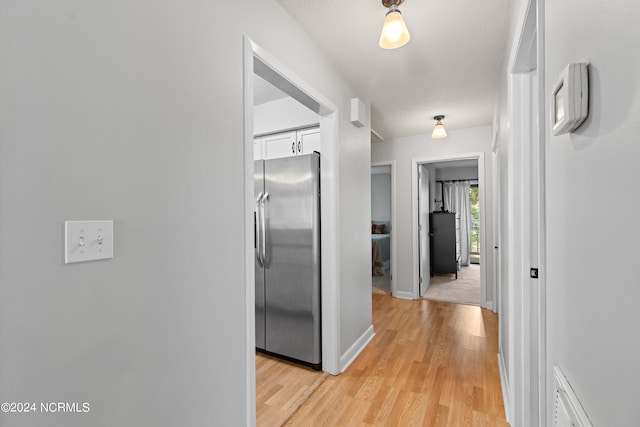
[(527, 399), (483, 209), (424, 275), (274, 70), (392, 164)]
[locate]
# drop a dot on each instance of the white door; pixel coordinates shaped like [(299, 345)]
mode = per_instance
[(280, 145), (533, 217), (308, 141), (423, 229), (528, 241)]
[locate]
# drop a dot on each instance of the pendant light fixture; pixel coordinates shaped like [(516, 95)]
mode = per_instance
[(394, 31), (439, 131)]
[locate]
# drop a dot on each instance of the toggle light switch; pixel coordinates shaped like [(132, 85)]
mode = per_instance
[(88, 240)]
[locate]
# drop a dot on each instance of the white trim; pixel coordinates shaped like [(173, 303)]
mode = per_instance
[(249, 275), (414, 217), (504, 383), (377, 135), (527, 302), (520, 38), (415, 270), (404, 295), (356, 348), (542, 222), (483, 232), (329, 208), (392, 164)]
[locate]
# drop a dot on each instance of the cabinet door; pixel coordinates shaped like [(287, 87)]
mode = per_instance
[(280, 145), (257, 149), (308, 141)]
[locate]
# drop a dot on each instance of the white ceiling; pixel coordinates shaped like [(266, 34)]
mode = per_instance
[(450, 66)]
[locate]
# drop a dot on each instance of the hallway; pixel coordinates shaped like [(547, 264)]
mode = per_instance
[(430, 363)]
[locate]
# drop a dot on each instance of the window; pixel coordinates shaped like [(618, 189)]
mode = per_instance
[(474, 202)]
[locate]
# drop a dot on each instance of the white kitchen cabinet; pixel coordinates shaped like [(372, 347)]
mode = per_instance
[(280, 145), (287, 144), (308, 141)]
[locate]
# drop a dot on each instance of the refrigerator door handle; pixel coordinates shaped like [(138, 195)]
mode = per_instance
[(259, 231), (265, 257)]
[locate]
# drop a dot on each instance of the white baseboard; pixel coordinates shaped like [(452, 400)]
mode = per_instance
[(504, 382), (350, 355), (403, 295)]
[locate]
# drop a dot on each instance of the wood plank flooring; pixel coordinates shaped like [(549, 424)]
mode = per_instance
[(430, 364), (281, 388)]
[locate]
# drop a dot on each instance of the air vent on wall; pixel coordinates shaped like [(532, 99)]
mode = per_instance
[(568, 411)]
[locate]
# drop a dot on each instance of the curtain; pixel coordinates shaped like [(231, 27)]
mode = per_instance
[(456, 199)]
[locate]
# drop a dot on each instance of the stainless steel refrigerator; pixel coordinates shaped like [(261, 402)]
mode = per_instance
[(287, 248)]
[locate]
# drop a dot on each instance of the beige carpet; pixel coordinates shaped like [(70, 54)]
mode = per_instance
[(382, 283), (465, 290)]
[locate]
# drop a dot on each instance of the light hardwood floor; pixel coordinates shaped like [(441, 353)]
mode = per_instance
[(430, 364)]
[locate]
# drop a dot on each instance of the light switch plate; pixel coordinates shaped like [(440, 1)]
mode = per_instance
[(87, 240)]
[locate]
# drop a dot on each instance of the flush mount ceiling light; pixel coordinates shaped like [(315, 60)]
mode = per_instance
[(394, 31), (439, 130)]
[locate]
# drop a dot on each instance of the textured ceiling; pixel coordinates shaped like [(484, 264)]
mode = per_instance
[(450, 66)]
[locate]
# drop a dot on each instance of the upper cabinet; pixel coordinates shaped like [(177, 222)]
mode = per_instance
[(279, 145), (308, 141), (287, 144)]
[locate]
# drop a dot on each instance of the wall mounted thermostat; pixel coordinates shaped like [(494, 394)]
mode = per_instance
[(570, 99)]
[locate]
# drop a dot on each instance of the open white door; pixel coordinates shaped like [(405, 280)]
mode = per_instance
[(526, 239), (423, 228)]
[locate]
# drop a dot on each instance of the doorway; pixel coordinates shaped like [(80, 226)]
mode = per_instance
[(382, 226), (468, 224), (259, 62)]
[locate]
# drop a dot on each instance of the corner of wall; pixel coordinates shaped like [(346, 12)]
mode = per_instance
[(350, 355)]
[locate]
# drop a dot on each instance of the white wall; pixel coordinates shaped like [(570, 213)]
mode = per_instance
[(592, 287), (592, 248), (134, 112), (403, 150), (380, 197), (354, 146), (466, 172), (282, 114)]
